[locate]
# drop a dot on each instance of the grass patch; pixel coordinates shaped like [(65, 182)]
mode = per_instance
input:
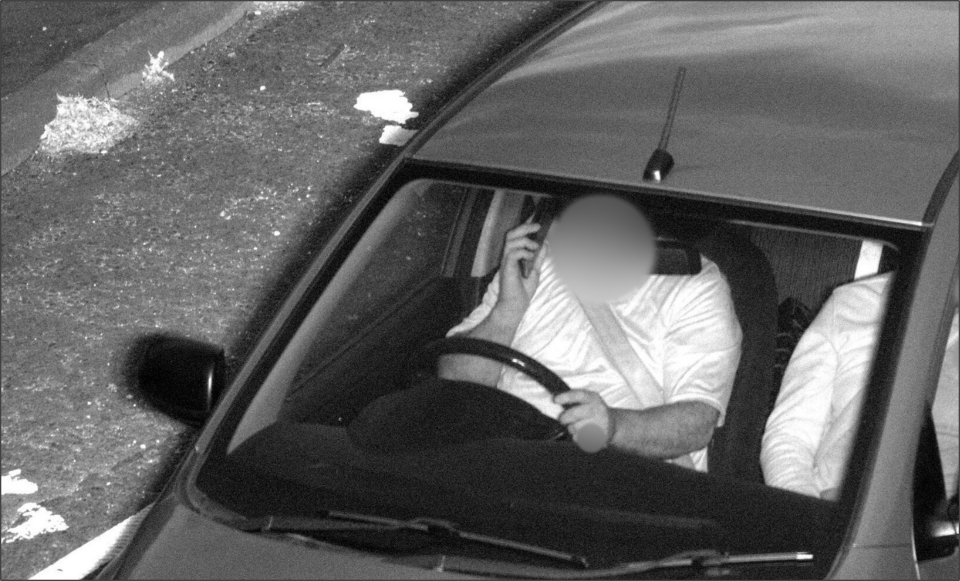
[(85, 125), (154, 72), (277, 7)]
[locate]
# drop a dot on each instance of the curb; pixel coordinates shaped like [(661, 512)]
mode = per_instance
[(109, 67)]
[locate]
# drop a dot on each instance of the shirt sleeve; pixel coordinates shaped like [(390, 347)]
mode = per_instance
[(481, 311), (794, 428), (702, 342)]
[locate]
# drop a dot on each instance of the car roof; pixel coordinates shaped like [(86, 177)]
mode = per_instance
[(848, 108)]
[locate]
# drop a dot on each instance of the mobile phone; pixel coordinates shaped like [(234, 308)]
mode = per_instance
[(543, 214)]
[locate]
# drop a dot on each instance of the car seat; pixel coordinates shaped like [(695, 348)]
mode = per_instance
[(734, 451)]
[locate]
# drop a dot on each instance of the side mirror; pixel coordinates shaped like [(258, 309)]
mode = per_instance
[(936, 530), (183, 377), (941, 530)]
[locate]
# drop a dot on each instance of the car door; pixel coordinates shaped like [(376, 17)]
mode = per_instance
[(935, 502), (880, 539)]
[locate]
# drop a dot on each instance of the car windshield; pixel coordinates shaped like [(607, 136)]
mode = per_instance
[(422, 266)]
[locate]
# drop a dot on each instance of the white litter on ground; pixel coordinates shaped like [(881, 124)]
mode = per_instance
[(38, 521), (391, 105), (86, 126), (11, 483), (396, 135)]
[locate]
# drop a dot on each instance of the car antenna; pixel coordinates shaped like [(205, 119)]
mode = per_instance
[(660, 163)]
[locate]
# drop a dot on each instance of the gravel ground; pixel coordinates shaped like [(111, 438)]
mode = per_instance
[(199, 224), (38, 35)]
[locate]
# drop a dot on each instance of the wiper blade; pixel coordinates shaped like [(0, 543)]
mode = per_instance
[(693, 559), (334, 521)]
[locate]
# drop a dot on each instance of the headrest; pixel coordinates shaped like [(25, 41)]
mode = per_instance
[(676, 258)]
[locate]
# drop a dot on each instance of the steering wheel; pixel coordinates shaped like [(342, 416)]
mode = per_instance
[(507, 356), (590, 438), (434, 413), (499, 353)]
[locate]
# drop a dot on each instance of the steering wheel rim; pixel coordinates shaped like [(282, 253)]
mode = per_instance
[(499, 353), (431, 413)]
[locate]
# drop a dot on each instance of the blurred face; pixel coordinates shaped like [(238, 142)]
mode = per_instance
[(603, 248)]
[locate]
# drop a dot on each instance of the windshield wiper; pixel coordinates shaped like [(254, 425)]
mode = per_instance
[(334, 522), (688, 560)]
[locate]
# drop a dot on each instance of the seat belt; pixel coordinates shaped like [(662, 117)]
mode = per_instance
[(615, 346)]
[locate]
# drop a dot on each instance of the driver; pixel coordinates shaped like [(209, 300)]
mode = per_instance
[(682, 329)]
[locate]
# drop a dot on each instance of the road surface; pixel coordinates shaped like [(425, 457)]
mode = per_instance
[(37, 35)]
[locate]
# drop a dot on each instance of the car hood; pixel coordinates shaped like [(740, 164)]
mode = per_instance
[(846, 108), (174, 542)]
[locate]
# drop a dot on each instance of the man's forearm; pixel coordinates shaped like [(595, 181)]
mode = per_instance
[(666, 431), (498, 327)]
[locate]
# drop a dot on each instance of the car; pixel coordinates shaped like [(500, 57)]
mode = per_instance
[(799, 146)]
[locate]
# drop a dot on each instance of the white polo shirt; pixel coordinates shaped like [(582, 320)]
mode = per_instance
[(810, 432), (683, 329)]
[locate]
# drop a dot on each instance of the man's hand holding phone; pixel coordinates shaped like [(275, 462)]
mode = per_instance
[(516, 291)]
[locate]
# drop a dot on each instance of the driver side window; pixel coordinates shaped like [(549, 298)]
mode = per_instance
[(390, 295)]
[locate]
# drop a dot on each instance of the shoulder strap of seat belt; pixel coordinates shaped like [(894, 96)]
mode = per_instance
[(615, 346), (617, 349)]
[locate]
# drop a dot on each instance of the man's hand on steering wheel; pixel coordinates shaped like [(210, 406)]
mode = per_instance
[(587, 419), (586, 416)]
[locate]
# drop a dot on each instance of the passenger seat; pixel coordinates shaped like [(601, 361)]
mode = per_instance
[(734, 451)]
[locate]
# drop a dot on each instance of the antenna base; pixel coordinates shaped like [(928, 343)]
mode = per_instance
[(658, 166)]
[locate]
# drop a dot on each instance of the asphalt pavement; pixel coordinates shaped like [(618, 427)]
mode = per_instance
[(198, 224), (107, 67), (35, 36)]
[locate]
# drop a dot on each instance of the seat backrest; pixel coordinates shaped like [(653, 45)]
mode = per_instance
[(734, 450)]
